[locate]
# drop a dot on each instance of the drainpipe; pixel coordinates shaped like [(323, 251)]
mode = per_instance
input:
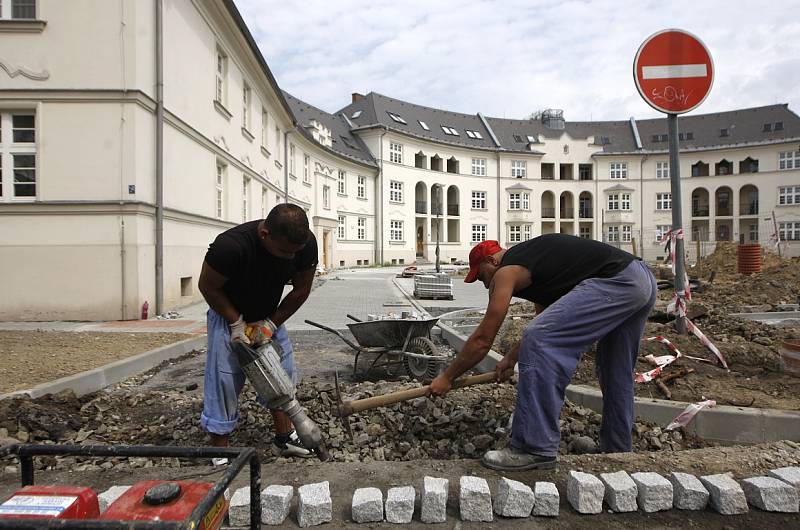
[(499, 229), (641, 207), (379, 207), (159, 158), (286, 165)]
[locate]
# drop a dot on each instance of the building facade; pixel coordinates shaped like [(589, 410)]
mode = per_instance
[(133, 132)]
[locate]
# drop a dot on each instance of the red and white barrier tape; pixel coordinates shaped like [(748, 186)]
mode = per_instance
[(660, 362), (683, 419)]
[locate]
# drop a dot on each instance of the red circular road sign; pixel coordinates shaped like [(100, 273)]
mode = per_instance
[(673, 71)]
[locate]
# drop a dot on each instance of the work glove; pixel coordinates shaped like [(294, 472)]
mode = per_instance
[(261, 331), (238, 331)]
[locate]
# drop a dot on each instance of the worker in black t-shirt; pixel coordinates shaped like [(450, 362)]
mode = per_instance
[(585, 292), (244, 273)]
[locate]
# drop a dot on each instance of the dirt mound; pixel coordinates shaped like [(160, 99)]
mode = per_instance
[(724, 259)]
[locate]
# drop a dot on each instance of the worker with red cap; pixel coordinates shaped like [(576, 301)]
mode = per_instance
[(585, 291)]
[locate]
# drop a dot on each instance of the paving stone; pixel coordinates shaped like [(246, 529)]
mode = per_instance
[(400, 504), (620, 494), (688, 493), (727, 496), (770, 494), (434, 500), (239, 508), (546, 500), (514, 499), (367, 505), (585, 492), (276, 501), (787, 474), (475, 499), (654, 492), (314, 506), (110, 495)]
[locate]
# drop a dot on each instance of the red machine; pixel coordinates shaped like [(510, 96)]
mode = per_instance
[(154, 500), (51, 502)]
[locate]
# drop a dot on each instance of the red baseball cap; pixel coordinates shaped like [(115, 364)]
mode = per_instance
[(480, 252)]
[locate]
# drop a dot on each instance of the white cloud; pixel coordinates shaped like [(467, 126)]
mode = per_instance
[(511, 57)]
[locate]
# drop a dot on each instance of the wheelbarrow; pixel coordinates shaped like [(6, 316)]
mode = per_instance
[(403, 342)]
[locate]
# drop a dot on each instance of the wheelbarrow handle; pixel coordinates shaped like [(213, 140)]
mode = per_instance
[(334, 331), (351, 317)]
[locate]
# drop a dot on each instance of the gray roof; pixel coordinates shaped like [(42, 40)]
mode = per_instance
[(344, 142)]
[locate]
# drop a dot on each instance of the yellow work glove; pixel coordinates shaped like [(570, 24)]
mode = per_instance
[(261, 331)]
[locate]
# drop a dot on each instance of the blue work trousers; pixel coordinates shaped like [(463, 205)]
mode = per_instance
[(610, 311)]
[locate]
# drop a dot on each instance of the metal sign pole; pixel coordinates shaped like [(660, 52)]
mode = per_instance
[(677, 223)]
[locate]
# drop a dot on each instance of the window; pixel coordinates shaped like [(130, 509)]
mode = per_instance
[(519, 169), (518, 201), (518, 138), (17, 156), (356, 114), (662, 170), (619, 170), (789, 160), (220, 192), (473, 134), (245, 191), (626, 233), (326, 197), (263, 202), (778, 126), (514, 233), (789, 231), (584, 171), (478, 200), (341, 185), (291, 159), (395, 191), (264, 127), (789, 195), (478, 233), (424, 125), (613, 201), (341, 227), (479, 167), (613, 234), (619, 201), (449, 131), (661, 231), (585, 232), (526, 232), (222, 72), (663, 201), (395, 153), (361, 228), (753, 232), (246, 95), (20, 10), (306, 170), (395, 230), (362, 187), (396, 117)]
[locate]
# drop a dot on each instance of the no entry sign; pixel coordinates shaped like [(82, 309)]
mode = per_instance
[(673, 71)]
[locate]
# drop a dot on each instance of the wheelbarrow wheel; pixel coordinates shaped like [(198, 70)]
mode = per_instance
[(424, 370)]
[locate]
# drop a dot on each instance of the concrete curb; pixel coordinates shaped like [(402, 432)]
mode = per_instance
[(722, 424), (93, 380)]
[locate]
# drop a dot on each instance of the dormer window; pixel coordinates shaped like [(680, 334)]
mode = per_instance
[(767, 127), (356, 114), (397, 118), (423, 125), (474, 134), (449, 131)]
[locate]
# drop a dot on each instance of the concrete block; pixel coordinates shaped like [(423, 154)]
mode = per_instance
[(770, 494), (654, 492), (514, 499), (585, 492), (314, 506), (475, 499), (110, 495), (621, 491), (276, 502), (727, 496), (400, 504), (367, 505), (546, 500), (434, 500), (790, 475), (239, 508), (688, 493)]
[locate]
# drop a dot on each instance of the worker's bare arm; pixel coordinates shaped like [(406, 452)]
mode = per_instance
[(211, 285)]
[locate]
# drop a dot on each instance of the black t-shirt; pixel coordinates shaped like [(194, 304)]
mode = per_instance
[(559, 262), (256, 278)]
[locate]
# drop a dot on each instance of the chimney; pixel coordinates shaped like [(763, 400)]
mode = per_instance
[(357, 97)]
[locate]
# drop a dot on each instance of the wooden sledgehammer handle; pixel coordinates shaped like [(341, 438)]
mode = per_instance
[(350, 407)]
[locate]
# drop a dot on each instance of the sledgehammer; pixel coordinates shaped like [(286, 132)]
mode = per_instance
[(346, 408)]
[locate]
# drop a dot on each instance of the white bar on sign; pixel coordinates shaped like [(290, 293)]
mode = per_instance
[(674, 71)]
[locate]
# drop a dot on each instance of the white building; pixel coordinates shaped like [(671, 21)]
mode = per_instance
[(133, 132)]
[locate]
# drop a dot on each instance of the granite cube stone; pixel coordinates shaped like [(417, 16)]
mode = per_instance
[(367, 505), (790, 475), (546, 500), (314, 506), (770, 494), (400, 504), (475, 499), (434, 500), (514, 499), (276, 501), (585, 492), (727, 497), (654, 492), (688, 493), (239, 507), (620, 492)]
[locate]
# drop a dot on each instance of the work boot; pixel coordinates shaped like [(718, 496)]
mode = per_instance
[(510, 459), (290, 445)]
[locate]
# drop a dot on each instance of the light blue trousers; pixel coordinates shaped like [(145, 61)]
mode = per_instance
[(224, 378), (610, 311)]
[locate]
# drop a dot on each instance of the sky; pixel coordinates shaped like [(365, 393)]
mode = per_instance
[(510, 58)]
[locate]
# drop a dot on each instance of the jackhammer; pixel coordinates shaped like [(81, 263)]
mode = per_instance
[(262, 367)]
